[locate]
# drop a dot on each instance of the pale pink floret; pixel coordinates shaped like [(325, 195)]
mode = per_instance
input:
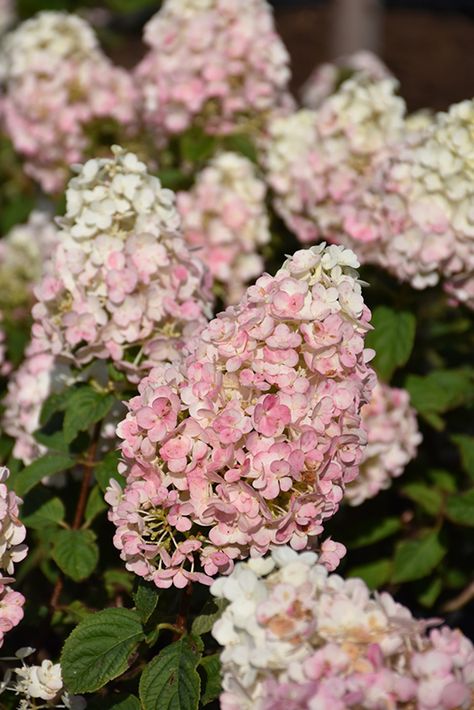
[(225, 220), (218, 63), (261, 430), (392, 440), (294, 636), (12, 550)]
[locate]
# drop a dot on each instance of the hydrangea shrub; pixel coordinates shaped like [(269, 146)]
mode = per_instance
[(236, 382)]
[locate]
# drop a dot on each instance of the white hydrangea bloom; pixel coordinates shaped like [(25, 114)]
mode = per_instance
[(295, 636), (46, 40), (318, 162)]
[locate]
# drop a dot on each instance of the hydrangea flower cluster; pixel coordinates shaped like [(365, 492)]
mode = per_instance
[(57, 82), (24, 255), (225, 218), (123, 279), (328, 77), (393, 438), (12, 550), (296, 637), (414, 215), (42, 682), (318, 162), (219, 63), (251, 440)]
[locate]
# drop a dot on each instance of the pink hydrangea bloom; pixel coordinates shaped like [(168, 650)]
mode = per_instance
[(327, 78), (251, 440), (296, 637), (393, 438), (122, 275), (28, 389), (224, 217), (57, 82), (11, 608), (12, 531), (318, 162), (216, 62), (12, 550)]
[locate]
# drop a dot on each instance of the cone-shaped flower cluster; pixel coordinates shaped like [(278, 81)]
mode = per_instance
[(123, 277), (317, 162), (224, 216), (393, 438), (219, 63), (296, 637), (57, 82), (12, 550), (251, 441)]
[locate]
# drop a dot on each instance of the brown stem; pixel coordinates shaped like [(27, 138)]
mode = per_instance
[(183, 613), (461, 600), (58, 588), (86, 479)]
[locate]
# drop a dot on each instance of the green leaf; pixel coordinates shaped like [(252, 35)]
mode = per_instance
[(118, 581), (173, 179), (415, 559), (95, 504), (439, 392), (460, 508), (374, 574), (76, 553), (431, 592), (212, 611), (53, 442), (121, 701), (444, 480), (466, 450), (429, 499), (49, 513), (170, 681), (212, 687), (243, 144), (146, 599), (392, 339), (196, 146), (107, 469), (56, 402), (84, 407), (370, 531), (99, 648), (47, 465)]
